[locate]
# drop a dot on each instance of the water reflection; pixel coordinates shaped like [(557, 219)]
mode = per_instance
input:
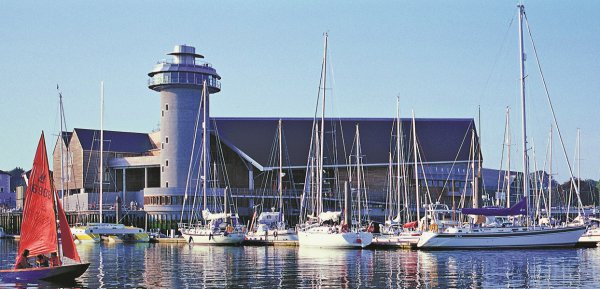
[(334, 268), (185, 266)]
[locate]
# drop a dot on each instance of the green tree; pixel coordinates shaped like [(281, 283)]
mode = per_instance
[(16, 179)]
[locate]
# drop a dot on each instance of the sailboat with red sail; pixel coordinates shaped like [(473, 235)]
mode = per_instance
[(39, 229)]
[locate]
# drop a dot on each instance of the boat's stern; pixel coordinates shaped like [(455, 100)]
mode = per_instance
[(426, 239)]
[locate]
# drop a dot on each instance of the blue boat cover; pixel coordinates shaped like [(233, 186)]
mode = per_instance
[(519, 208)]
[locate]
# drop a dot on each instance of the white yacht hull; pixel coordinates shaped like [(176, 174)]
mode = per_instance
[(408, 240), (334, 240), (206, 238), (499, 238), (590, 238), (273, 236), (113, 233)]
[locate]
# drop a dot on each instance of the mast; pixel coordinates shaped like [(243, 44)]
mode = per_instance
[(225, 204), (54, 196), (523, 110), (550, 175), (204, 150), (101, 144), (478, 152), (417, 193), (358, 174), (322, 134), (62, 147), (474, 176), (280, 179), (508, 143), (578, 160), (398, 136)]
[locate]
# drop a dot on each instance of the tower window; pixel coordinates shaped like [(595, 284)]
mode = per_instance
[(167, 139), (162, 146), (162, 169), (167, 106), (167, 184), (163, 112), (167, 163)]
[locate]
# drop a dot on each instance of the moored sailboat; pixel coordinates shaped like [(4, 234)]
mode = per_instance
[(214, 228), (271, 228), (40, 231), (515, 233), (321, 228), (110, 232)]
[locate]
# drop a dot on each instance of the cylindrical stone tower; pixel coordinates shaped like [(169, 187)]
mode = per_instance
[(179, 83)]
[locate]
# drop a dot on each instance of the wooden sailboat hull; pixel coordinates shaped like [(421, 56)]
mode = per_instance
[(527, 239), (60, 273)]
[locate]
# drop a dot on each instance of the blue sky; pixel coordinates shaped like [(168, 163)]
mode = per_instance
[(444, 59)]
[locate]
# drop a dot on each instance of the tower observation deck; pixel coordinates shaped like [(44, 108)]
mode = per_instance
[(184, 70), (179, 83)]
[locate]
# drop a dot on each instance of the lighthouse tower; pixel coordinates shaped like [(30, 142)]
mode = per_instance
[(179, 83)]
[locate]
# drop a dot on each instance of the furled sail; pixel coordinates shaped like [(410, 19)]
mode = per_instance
[(519, 208)]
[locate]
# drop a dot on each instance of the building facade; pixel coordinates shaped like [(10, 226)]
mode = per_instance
[(7, 198), (158, 172)]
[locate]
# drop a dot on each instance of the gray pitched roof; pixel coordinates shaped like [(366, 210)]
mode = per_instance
[(440, 140), (116, 141)]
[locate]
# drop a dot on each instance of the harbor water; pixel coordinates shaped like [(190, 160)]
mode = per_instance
[(189, 266)]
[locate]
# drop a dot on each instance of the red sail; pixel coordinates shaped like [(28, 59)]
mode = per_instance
[(38, 229), (68, 245)]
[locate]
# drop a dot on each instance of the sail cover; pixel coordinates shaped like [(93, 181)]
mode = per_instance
[(38, 229), (519, 208), (68, 245)]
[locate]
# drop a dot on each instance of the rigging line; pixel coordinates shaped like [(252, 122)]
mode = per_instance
[(308, 182), (292, 182), (420, 157), (467, 176), (455, 159), (548, 165), (192, 163), (502, 154), (221, 161), (504, 41), (539, 66)]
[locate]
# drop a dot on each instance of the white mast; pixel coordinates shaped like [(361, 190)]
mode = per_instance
[(101, 144), (322, 140), (578, 160), (62, 147), (280, 179), (550, 177), (205, 152), (523, 111), (508, 143), (417, 193), (358, 173), (398, 136)]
